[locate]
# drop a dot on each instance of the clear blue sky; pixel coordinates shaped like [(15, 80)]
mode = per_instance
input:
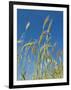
[(36, 19)]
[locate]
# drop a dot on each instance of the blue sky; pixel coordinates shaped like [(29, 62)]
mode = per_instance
[(36, 19)]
